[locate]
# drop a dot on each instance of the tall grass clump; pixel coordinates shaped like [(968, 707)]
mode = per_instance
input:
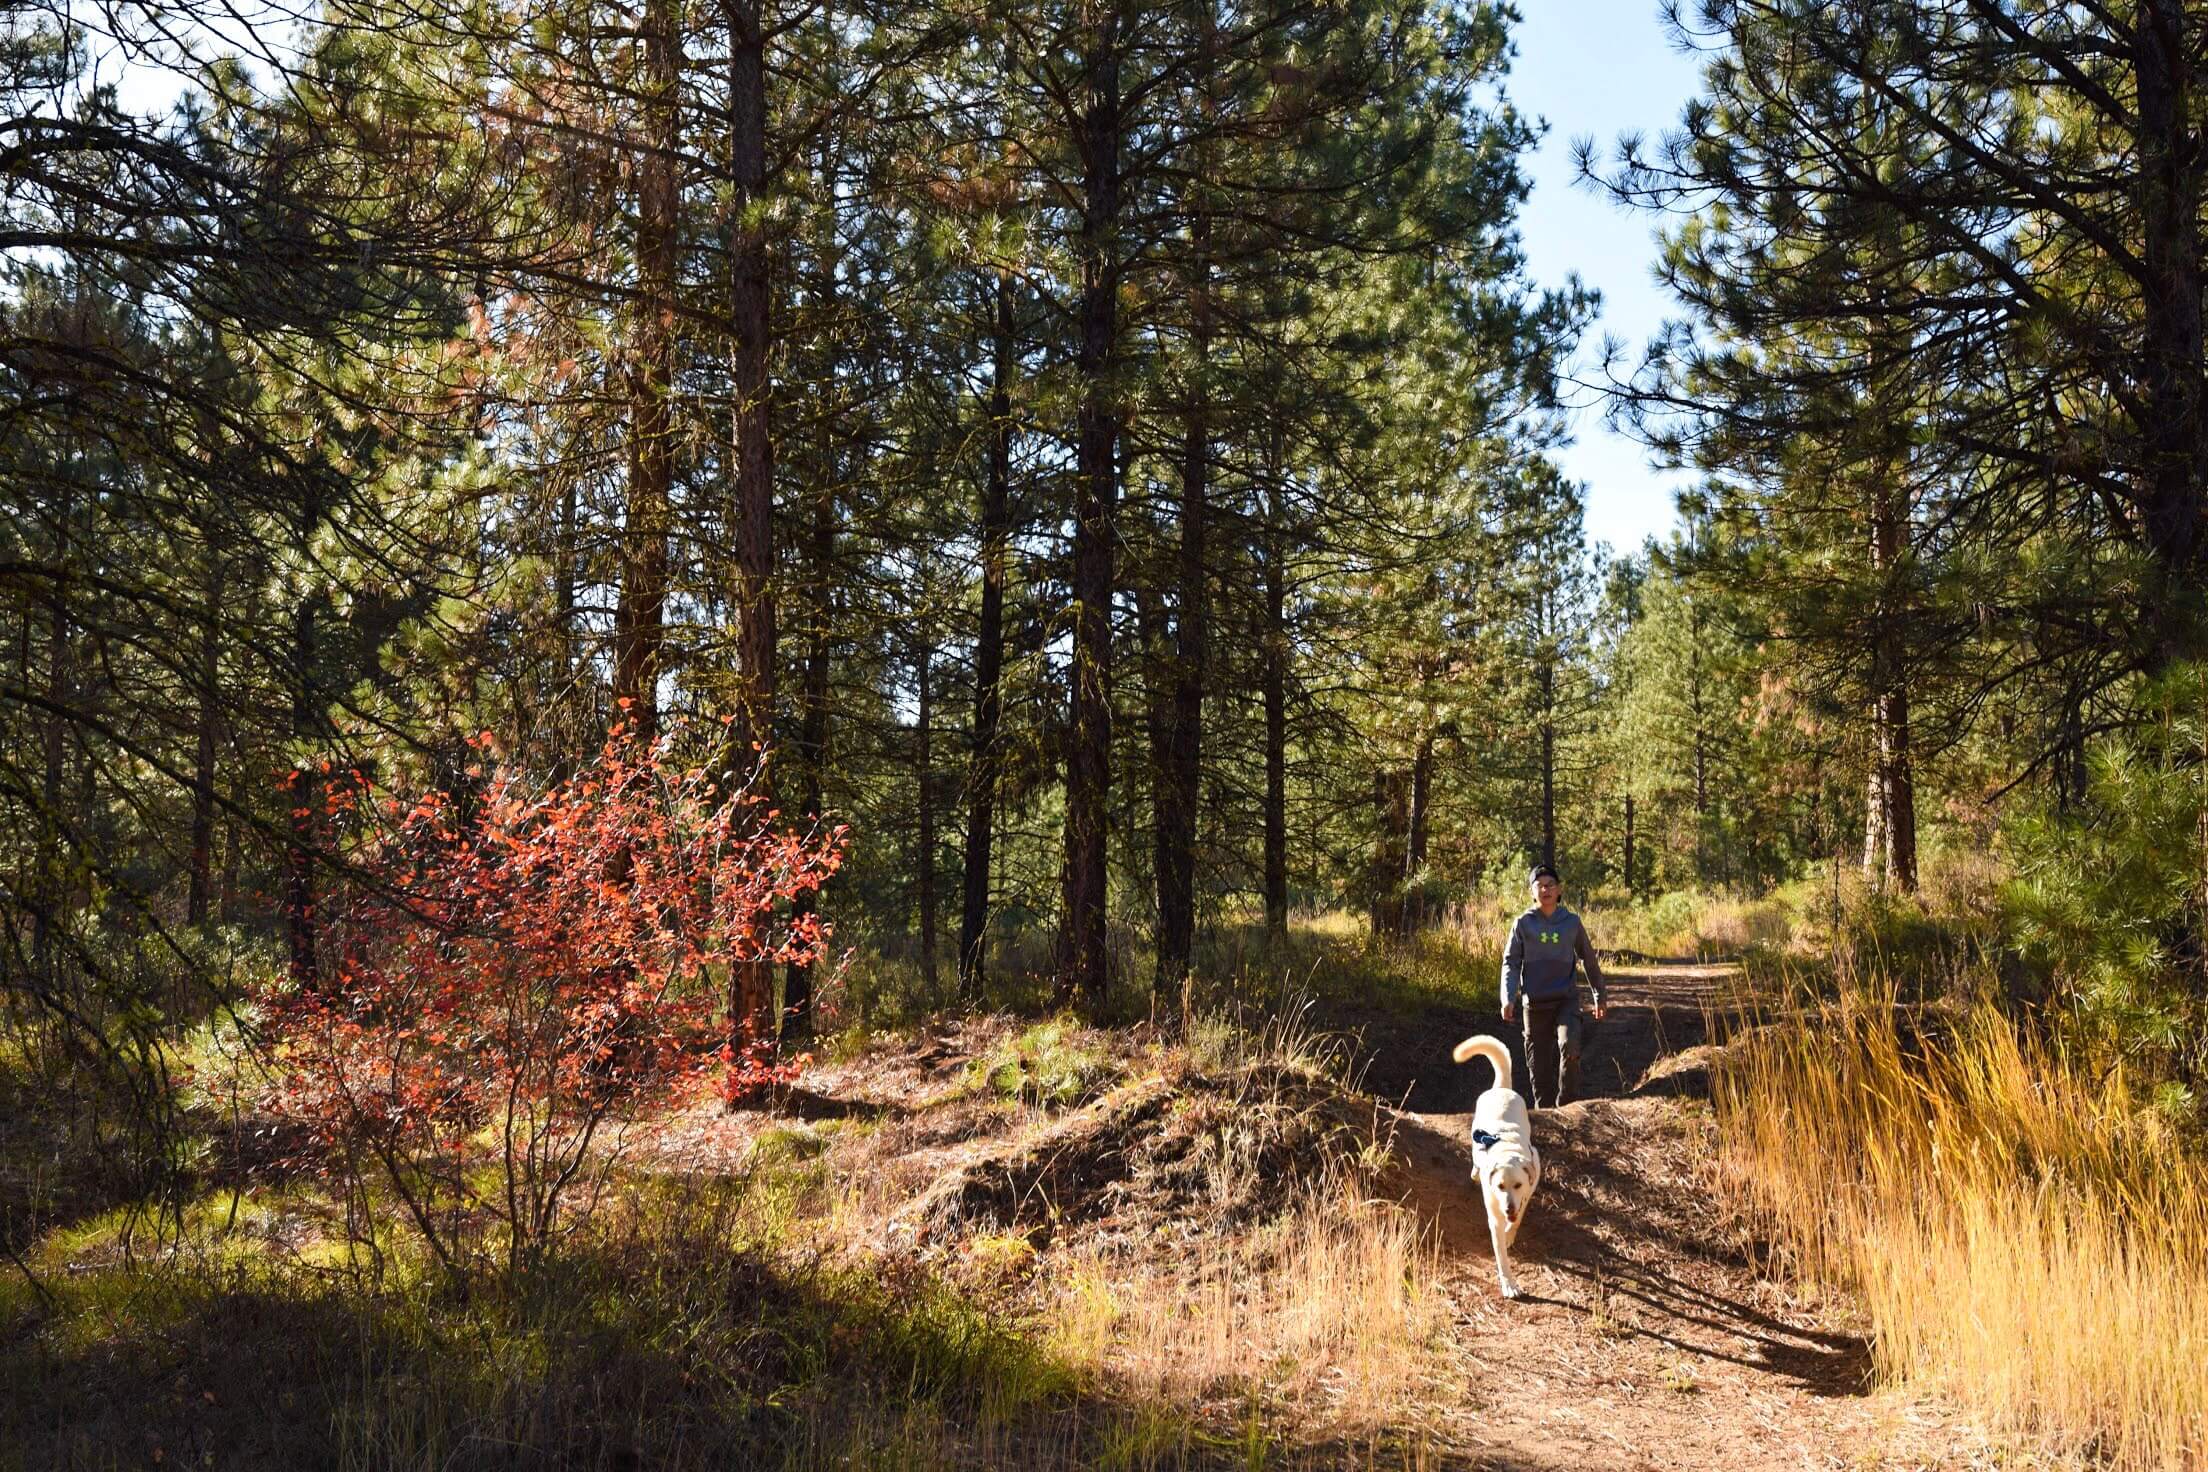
[(2023, 1233), (1332, 1311)]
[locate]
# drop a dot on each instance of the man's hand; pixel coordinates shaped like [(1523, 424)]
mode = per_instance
[(1601, 1012), (1510, 1012)]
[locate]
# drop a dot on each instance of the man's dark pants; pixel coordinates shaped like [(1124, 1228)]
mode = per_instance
[(1553, 1027)]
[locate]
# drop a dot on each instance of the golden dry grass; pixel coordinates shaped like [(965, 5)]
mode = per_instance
[(1331, 1311), (2021, 1232)]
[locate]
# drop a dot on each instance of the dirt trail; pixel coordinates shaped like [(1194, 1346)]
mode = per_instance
[(1647, 1339)]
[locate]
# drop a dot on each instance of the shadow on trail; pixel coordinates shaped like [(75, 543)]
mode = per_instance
[(1654, 1011), (1624, 1244), (1668, 1298)]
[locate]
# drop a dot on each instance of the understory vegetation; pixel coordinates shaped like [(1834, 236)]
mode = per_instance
[(1191, 1268), (1017, 1238), (2025, 1231)]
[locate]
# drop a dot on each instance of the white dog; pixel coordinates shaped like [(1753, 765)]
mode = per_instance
[(1503, 1158)]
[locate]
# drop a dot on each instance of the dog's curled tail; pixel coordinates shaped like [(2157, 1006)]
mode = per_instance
[(1492, 1050)]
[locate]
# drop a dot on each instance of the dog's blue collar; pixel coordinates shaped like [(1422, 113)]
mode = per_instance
[(1485, 1139)]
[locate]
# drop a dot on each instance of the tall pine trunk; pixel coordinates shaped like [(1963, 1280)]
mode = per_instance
[(301, 922), (1274, 637), (1084, 965), (985, 757), (813, 728), (1701, 753), (1630, 889), (566, 575), (54, 747), (1181, 775), (1391, 802), (820, 553), (1890, 827), (1548, 761), (1157, 730), (640, 625), (924, 762), (2166, 42), (751, 509), (1422, 791), (200, 900)]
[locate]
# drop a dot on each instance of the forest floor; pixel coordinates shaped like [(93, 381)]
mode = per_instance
[(998, 1241), (1655, 1330)]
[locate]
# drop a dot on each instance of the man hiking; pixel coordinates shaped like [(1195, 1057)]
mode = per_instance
[(1546, 945)]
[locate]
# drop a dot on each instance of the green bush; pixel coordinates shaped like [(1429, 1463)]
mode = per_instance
[(2109, 907), (1052, 1064)]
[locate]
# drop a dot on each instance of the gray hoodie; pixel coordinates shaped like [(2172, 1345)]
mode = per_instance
[(1541, 954)]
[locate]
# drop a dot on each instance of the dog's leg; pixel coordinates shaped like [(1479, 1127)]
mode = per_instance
[(1501, 1237)]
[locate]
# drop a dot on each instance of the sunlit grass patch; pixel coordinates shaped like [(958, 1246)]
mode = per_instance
[(1052, 1064), (1331, 1310), (2022, 1231)]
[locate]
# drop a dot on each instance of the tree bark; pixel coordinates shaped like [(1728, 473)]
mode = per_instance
[(1890, 827), (54, 743), (2175, 434), (996, 531), (924, 758), (301, 923), (1422, 787), (820, 600), (1391, 794), (199, 901), (1630, 890), (1548, 761), (1085, 966), (1157, 730), (751, 511), (640, 627), (1275, 679), (1182, 774)]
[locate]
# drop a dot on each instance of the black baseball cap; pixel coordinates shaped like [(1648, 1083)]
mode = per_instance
[(1541, 869)]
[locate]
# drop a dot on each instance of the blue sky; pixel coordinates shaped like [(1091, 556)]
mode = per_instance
[(1600, 68)]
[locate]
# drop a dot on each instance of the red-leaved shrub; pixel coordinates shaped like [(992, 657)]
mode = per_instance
[(514, 980)]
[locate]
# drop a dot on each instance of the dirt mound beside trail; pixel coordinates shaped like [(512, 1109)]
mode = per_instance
[(1217, 1149)]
